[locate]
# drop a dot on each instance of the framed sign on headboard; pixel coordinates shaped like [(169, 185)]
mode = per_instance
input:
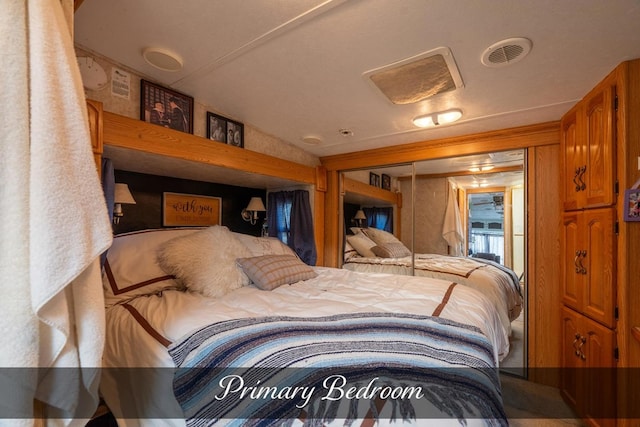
[(190, 210)]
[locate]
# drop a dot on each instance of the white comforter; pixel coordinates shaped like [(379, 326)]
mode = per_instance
[(174, 314), (493, 282)]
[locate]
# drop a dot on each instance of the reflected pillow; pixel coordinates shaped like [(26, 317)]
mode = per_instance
[(349, 251), (362, 244), (391, 250), (204, 262), (380, 236), (268, 272)]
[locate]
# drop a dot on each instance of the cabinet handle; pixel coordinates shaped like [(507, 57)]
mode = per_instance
[(583, 254), (578, 271), (575, 179), (577, 350), (581, 171), (583, 340), (577, 262)]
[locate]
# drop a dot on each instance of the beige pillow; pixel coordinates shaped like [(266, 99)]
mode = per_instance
[(362, 244), (268, 272), (391, 250), (380, 236), (205, 261)]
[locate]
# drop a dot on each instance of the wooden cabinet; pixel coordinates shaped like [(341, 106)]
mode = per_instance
[(588, 284), (587, 136), (588, 375), (588, 263), (94, 111)]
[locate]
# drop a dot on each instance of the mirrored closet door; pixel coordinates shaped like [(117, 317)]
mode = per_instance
[(470, 206)]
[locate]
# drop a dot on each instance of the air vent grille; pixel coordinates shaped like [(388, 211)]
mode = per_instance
[(506, 52)]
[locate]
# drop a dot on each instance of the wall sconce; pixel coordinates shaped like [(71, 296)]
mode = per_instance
[(435, 119), (360, 217), (250, 213), (122, 195)]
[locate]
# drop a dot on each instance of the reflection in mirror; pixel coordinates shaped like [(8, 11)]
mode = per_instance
[(434, 205), (373, 199), (490, 193)]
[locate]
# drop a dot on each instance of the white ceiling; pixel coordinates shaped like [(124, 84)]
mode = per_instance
[(294, 68)]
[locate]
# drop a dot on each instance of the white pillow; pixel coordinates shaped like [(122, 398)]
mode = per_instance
[(131, 268), (349, 251), (205, 262), (260, 246), (362, 244)]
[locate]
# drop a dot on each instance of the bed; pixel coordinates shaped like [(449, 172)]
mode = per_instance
[(210, 327), (376, 251)]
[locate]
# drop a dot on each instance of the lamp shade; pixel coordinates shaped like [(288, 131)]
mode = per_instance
[(123, 195), (256, 205), (360, 215)]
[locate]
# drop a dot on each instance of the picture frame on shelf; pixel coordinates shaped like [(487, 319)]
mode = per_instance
[(222, 129), (386, 182), (165, 107), (374, 179), (632, 205)]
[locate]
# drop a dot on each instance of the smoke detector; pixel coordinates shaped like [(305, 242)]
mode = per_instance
[(506, 52)]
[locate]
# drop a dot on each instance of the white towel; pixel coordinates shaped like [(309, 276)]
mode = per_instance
[(452, 227), (58, 220)]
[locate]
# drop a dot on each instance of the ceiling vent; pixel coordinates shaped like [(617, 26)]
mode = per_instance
[(417, 78), (506, 52)]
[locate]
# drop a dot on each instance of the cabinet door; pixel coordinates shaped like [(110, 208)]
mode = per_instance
[(599, 146), (588, 374), (597, 384), (572, 157), (94, 112), (570, 356), (598, 299), (572, 277)]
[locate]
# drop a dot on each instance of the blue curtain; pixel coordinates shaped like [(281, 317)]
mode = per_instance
[(380, 218), (289, 219)]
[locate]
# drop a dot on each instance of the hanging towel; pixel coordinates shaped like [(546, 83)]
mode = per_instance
[(452, 227), (62, 226)]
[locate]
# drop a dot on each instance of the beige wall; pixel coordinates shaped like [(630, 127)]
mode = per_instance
[(430, 199), (254, 139)]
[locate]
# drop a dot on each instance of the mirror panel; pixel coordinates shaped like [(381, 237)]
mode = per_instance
[(488, 189)]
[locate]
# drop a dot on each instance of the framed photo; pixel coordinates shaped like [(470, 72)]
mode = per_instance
[(225, 130), (190, 210), (386, 182), (632, 205), (165, 107), (374, 179), (216, 127)]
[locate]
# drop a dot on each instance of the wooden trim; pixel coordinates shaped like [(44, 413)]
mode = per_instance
[(500, 140), (353, 186), (124, 132), (464, 173)]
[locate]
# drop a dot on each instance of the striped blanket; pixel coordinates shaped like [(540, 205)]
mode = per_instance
[(274, 370)]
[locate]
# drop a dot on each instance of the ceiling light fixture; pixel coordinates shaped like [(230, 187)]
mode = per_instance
[(436, 119), (162, 59)]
